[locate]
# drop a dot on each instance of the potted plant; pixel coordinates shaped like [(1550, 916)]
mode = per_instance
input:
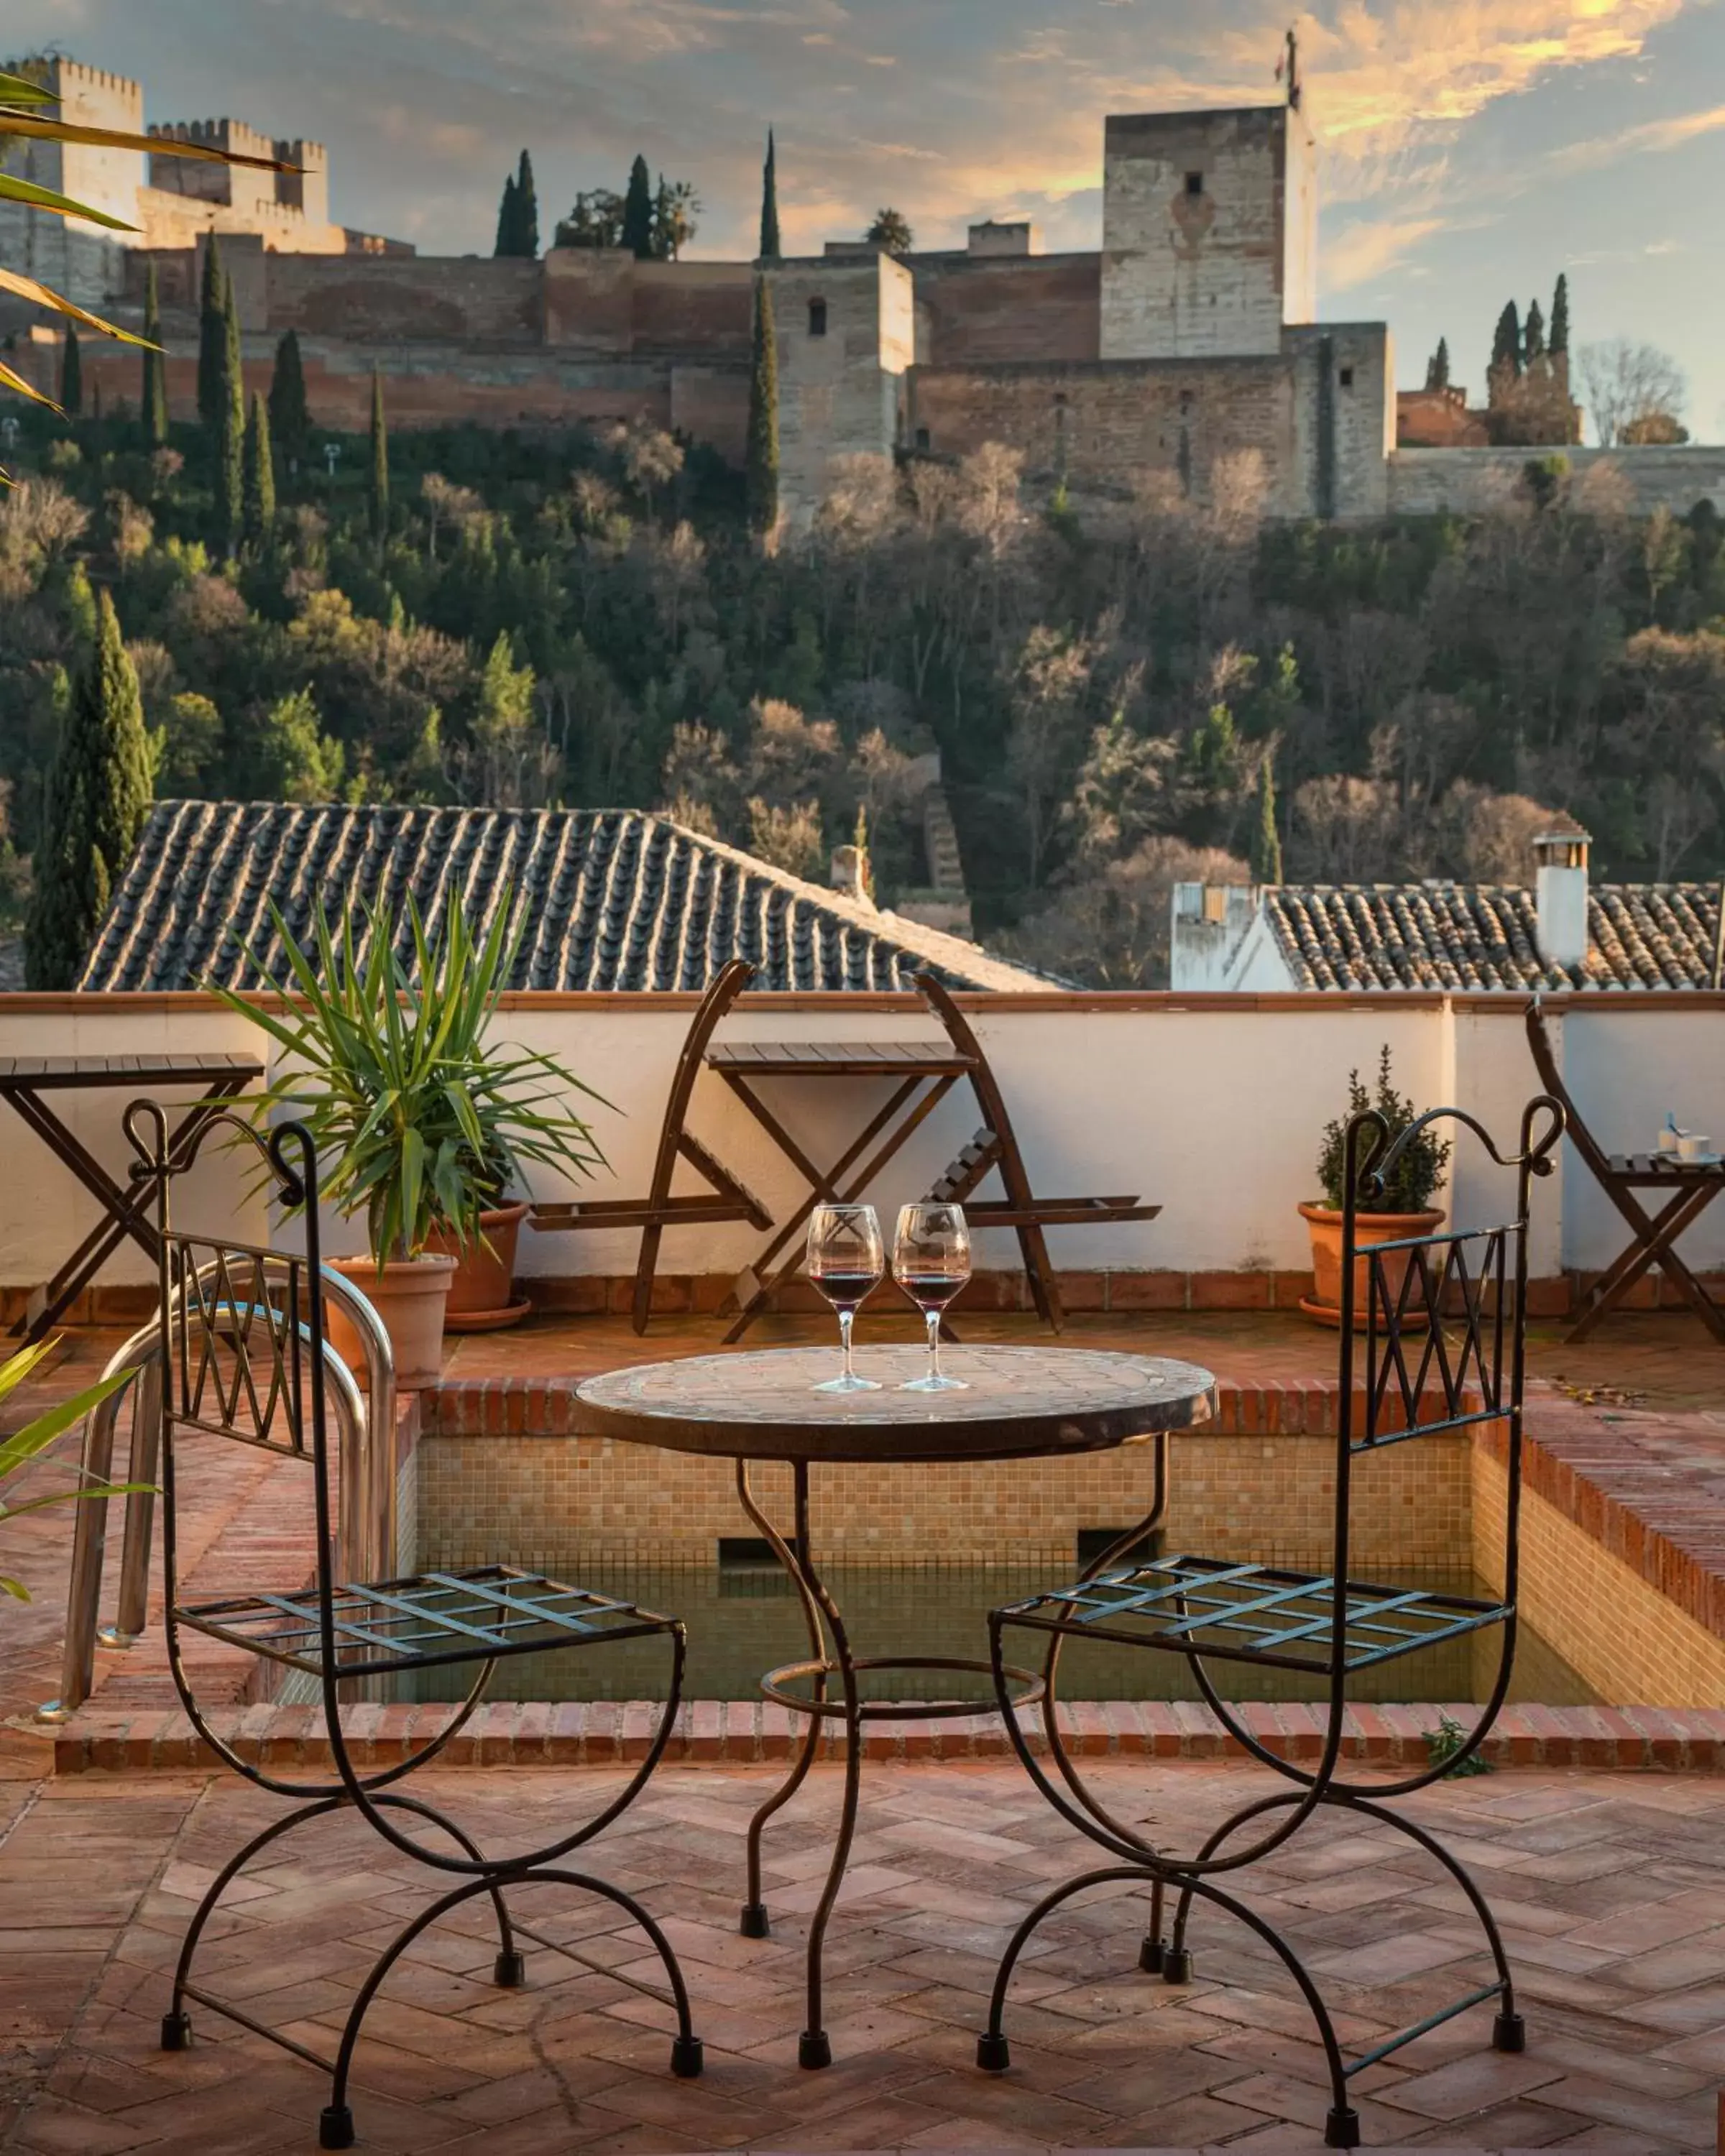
[(482, 1296), (420, 1123), (1403, 1212)]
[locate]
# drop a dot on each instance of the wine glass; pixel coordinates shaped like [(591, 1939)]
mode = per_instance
[(930, 1262), (845, 1262)]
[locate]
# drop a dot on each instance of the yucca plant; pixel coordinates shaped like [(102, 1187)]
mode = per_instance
[(418, 1120), (25, 110), (19, 1449)]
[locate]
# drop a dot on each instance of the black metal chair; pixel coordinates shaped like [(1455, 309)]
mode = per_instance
[(243, 1361), (1438, 1345)]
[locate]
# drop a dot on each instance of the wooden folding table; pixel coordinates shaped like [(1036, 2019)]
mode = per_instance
[(25, 1083), (921, 1074)]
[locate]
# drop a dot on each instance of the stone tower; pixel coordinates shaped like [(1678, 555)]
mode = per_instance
[(1209, 232), (84, 261)]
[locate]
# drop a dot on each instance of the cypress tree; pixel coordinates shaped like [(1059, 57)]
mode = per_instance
[(1533, 334), (71, 376), (98, 792), (526, 212), (770, 250), (1266, 840), (761, 465), (378, 481), (289, 418), (212, 334), (508, 219), (637, 211), (1506, 342), (1437, 367), (1558, 341), (258, 513), (154, 402), (230, 430)]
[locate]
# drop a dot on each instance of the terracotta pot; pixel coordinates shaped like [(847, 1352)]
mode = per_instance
[(409, 1295), (480, 1294), (1369, 1228)]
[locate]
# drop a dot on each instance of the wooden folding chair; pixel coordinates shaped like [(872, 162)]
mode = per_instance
[(995, 1147), (1693, 1186), (725, 1198)]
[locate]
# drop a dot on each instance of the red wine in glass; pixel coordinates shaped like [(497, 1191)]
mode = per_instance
[(930, 1262), (846, 1260)]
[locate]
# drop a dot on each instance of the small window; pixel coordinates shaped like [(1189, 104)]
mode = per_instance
[(817, 318), (923, 442), (1347, 377), (1194, 183)]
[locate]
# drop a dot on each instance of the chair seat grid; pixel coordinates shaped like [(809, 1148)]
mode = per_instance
[(1197, 1605), (434, 1619)]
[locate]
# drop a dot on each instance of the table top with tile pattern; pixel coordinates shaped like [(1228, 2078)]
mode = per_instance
[(1018, 1402)]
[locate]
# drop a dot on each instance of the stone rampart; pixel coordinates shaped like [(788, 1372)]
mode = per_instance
[(1422, 482)]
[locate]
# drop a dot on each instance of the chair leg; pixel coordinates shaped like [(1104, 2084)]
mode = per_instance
[(1039, 1270), (645, 1266)]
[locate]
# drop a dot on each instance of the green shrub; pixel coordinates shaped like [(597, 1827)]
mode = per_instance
[(1418, 1170)]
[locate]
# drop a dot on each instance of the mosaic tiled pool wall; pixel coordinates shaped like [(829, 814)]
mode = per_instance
[(1629, 1636), (564, 1502)]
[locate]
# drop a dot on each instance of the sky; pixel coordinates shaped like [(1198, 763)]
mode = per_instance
[(1470, 149)]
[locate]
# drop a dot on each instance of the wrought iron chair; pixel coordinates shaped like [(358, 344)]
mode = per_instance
[(243, 1362), (1434, 1327)]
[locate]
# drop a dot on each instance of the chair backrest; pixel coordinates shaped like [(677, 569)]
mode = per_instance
[(1545, 1062), (1440, 1345), (242, 1326), (732, 979), (938, 997)]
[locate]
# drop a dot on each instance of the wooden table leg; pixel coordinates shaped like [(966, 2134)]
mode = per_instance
[(123, 1215), (1656, 1235)]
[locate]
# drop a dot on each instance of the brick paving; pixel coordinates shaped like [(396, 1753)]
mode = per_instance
[(1611, 1892)]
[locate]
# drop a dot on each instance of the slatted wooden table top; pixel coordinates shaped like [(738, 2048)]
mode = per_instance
[(838, 1059), (1656, 1168), (37, 1073), (1021, 1402)]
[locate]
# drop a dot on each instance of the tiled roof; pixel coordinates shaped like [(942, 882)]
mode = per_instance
[(1462, 937), (616, 900)]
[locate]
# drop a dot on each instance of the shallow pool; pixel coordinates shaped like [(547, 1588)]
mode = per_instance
[(745, 1619)]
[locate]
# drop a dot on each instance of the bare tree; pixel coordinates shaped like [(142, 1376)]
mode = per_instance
[(1636, 391)]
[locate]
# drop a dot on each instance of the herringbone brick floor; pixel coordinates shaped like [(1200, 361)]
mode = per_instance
[(1611, 1889)]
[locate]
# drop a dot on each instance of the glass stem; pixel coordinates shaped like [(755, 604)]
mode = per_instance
[(934, 1317), (845, 1322)]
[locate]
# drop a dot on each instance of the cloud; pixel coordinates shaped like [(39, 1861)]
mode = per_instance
[(1361, 251), (1652, 135)]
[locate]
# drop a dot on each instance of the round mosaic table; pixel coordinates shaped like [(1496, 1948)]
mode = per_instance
[(1019, 1404)]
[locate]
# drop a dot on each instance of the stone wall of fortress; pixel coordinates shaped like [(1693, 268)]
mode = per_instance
[(1423, 482)]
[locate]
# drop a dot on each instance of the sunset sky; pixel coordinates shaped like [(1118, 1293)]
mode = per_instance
[(1472, 148)]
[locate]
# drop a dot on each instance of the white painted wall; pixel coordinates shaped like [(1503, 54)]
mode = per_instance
[(1213, 1108)]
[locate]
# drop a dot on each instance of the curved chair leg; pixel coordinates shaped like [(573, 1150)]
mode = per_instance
[(336, 2126), (510, 1970), (993, 2052), (175, 2023), (1509, 2032)]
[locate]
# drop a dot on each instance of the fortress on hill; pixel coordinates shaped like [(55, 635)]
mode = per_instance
[(1191, 335)]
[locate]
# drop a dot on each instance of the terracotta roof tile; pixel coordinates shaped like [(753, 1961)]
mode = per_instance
[(1472, 936), (615, 900)]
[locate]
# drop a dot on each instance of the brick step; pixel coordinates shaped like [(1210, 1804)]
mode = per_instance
[(543, 1733)]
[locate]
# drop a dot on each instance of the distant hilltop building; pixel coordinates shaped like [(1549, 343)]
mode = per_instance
[(1183, 358), (171, 202)]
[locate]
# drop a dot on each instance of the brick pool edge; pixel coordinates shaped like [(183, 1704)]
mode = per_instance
[(738, 1733)]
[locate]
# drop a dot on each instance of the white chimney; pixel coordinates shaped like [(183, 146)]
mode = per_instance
[(1561, 927), (850, 872)]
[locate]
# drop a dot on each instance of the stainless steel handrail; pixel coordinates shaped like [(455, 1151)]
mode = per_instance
[(365, 1435)]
